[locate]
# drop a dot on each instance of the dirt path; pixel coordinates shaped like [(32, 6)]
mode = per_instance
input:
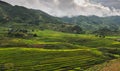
[(112, 66)]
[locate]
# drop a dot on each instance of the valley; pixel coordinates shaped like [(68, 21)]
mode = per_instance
[(58, 52), (32, 40)]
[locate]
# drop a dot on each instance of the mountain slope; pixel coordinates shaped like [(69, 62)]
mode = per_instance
[(24, 15), (93, 22), (21, 17), (12, 16)]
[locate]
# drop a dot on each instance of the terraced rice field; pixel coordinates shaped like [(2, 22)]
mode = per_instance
[(56, 51), (46, 60)]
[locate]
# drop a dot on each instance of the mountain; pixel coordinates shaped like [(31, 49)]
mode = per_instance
[(91, 23), (23, 15), (23, 18)]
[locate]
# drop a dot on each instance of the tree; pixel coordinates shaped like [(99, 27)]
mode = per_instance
[(77, 29), (102, 32), (18, 33)]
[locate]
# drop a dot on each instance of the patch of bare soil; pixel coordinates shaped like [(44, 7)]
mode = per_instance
[(112, 66)]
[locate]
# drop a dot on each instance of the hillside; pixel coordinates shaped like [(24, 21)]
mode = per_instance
[(58, 52), (91, 23), (31, 40), (17, 17), (23, 15)]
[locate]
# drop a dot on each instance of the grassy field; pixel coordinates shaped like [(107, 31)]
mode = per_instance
[(56, 51), (32, 59)]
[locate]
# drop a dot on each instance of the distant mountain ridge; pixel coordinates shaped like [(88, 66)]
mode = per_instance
[(18, 15), (24, 15), (94, 22)]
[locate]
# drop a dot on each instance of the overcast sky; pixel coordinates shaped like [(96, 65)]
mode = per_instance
[(72, 7)]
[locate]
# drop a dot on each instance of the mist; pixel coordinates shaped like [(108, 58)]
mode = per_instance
[(71, 8)]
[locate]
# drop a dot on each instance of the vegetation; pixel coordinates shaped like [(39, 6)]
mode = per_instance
[(92, 23), (41, 59), (17, 17), (31, 40), (58, 52)]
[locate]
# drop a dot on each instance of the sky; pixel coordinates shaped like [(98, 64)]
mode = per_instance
[(71, 8)]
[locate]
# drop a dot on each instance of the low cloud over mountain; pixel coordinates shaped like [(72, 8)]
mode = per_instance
[(72, 7)]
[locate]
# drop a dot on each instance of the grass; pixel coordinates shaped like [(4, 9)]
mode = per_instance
[(45, 60), (56, 51), (60, 40)]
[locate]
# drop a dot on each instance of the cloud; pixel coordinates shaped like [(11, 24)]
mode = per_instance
[(72, 7), (108, 3)]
